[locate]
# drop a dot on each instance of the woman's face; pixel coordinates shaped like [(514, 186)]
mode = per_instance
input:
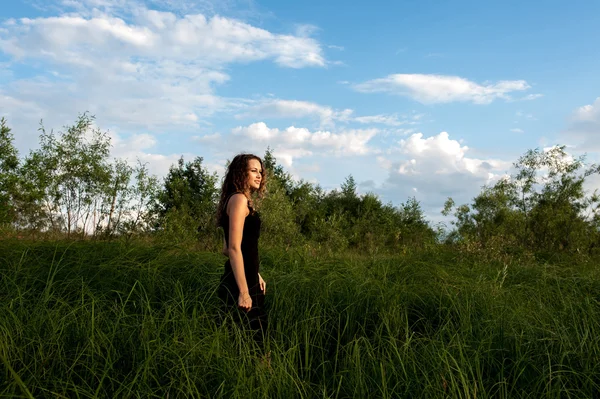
[(254, 174)]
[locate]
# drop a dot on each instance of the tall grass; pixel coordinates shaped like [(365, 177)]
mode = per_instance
[(108, 320)]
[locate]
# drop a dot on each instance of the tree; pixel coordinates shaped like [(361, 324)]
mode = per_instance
[(349, 187), (187, 203), (144, 197), (277, 172), (556, 210), (543, 206), (305, 199), (115, 199), (9, 163), (64, 180), (68, 185)]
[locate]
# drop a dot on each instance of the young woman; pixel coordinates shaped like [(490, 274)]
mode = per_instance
[(242, 289)]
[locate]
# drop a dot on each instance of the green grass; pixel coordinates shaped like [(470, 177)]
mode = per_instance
[(88, 319)]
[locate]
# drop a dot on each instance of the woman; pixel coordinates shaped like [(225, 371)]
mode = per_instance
[(242, 289)]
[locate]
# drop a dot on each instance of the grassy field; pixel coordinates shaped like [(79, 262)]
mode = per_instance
[(89, 319)]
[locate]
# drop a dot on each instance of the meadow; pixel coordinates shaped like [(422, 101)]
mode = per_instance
[(107, 319)]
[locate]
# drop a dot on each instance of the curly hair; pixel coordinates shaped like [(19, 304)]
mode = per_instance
[(236, 181)]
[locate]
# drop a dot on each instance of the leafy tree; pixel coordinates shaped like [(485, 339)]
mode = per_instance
[(33, 208), (349, 187), (495, 214), (64, 179), (187, 203), (277, 172), (276, 209), (69, 186), (543, 206), (9, 163), (144, 198), (367, 229), (113, 205), (555, 217), (350, 200), (414, 228), (305, 198)]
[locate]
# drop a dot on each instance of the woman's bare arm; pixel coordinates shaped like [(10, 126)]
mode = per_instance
[(237, 209)]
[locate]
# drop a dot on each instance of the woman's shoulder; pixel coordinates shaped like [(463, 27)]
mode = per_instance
[(237, 200), (238, 197)]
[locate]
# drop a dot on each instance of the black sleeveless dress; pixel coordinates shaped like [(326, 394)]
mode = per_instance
[(228, 291)]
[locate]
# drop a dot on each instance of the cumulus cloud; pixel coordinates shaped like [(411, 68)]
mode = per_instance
[(154, 34), (584, 127), (242, 8), (23, 116), (588, 113), (430, 89), (139, 147), (145, 147), (347, 142), (134, 67), (152, 101), (15, 108), (291, 143), (433, 168)]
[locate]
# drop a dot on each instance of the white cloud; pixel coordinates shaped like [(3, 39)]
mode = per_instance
[(389, 120), (295, 109), (278, 108), (148, 99), (13, 107), (144, 147), (156, 35), (517, 130), (208, 138), (243, 9), (291, 143), (23, 117), (442, 89), (588, 113), (436, 167), (133, 67), (584, 127), (521, 114), (302, 142), (531, 97)]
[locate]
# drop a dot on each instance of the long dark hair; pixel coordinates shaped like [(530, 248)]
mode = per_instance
[(236, 181)]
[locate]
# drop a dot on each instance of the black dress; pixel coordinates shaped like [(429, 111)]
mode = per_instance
[(228, 292)]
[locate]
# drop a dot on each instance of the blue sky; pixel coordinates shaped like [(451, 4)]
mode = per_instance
[(427, 99)]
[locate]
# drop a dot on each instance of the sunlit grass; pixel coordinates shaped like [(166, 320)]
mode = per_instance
[(107, 320)]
